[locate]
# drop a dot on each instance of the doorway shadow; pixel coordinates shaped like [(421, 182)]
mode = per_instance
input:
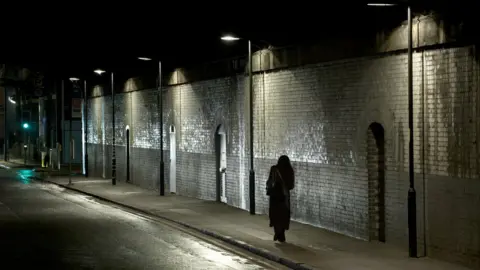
[(221, 163), (127, 153)]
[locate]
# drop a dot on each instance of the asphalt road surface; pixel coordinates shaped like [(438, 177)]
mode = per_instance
[(43, 226)]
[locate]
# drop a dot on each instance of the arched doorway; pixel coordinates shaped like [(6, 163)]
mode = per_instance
[(376, 182), (127, 154), (221, 162), (173, 160)]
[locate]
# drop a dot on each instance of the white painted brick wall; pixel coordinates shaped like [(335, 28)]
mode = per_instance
[(319, 115), (199, 109)]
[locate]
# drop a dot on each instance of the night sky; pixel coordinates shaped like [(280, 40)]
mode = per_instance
[(74, 42)]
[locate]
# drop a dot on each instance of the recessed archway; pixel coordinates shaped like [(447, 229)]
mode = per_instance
[(221, 162), (376, 181), (173, 160), (127, 152)]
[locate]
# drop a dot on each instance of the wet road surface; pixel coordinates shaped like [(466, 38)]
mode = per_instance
[(44, 226)]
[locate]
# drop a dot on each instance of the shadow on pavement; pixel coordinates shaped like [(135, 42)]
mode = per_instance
[(289, 248)]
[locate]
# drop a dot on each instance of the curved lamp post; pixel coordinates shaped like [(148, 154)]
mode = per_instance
[(412, 205), (114, 161), (85, 130), (251, 178), (160, 109)]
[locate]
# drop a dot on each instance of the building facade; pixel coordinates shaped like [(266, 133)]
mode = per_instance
[(344, 125)]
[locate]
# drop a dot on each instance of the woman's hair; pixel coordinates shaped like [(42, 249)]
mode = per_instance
[(284, 161), (284, 165)]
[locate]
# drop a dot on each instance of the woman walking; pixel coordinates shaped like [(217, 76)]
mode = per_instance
[(279, 184)]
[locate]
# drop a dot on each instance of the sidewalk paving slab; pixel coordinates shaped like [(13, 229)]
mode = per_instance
[(17, 163), (307, 247), (64, 169)]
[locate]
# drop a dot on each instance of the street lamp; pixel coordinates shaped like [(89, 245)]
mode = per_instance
[(85, 130), (10, 98), (380, 4), (412, 205), (99, 71), (250, 88), (160, 108), (112, 86), (229, 38)]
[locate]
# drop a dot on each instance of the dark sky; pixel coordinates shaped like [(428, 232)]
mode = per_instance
[(84, 37)]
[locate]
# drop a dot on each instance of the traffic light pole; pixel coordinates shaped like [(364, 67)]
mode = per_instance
[(28, 131), (23, 130), (6, 135), (26, 136)]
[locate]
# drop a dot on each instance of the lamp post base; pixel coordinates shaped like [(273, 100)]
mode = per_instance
[(252, 191), (86, 165), (412, 223), (162, 179)]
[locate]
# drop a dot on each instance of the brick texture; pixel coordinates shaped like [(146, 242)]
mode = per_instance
[(319, 115)]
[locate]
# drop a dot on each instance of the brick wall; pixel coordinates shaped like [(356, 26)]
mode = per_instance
[(142, 120), (199, 109), (319, 115)]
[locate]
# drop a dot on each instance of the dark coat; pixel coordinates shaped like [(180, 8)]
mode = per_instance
[(279, 205)]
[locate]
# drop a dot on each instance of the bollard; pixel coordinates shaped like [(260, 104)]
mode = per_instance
[(59, 150), (25, 153), (50, 157), (72, 156), (44, 154), (50, 164)]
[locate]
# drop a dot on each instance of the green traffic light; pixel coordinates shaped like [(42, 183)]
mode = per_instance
[(25, 125)]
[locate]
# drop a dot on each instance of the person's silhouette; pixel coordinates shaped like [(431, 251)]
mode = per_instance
[(280, 181)]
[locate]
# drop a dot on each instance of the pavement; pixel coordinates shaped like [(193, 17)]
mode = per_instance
[(307, 247), (36, 167), (20, 163), (46, 226)]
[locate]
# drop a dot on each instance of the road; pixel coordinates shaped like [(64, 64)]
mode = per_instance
[(44, 226)]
